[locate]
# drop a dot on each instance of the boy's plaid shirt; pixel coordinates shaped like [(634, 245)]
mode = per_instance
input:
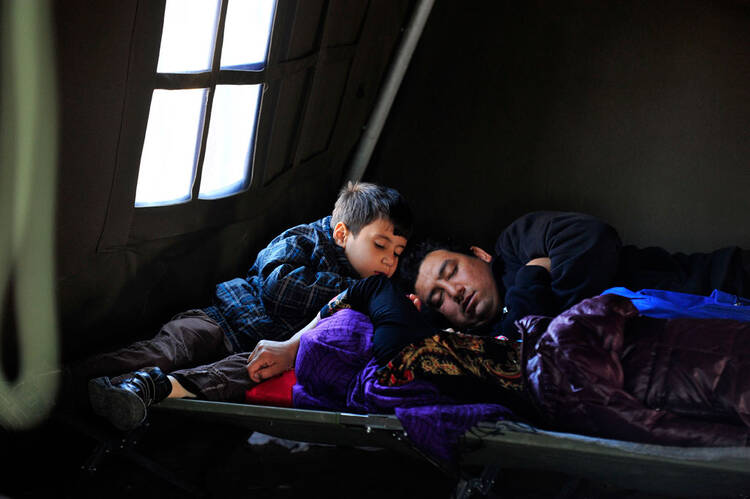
[(291, 279)]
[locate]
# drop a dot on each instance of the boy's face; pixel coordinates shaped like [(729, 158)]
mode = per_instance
[(375, 250)]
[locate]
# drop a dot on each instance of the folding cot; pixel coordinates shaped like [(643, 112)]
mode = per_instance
[(490, 447)]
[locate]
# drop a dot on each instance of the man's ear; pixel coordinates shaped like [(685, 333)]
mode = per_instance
[(340, 233), (481, 254)]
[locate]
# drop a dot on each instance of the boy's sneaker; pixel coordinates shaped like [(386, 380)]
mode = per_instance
[(124, 400)]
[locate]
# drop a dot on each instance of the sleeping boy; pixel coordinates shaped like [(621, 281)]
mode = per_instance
[(203, 353)]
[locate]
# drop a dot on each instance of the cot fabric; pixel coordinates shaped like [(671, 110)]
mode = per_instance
[(291, 279)]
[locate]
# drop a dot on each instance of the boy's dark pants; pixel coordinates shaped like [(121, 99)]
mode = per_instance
[(192, 348)]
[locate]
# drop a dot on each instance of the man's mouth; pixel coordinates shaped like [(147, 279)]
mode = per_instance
[(469, 303)]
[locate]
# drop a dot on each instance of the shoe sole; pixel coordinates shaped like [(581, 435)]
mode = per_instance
[(123, 408)]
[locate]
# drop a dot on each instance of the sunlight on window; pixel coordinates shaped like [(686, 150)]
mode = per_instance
[(170, 148), (230, 136), (246, 34), (187, 40)]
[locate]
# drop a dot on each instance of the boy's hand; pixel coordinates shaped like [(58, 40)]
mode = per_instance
[(415, 300), (269, 359), (542, 262)]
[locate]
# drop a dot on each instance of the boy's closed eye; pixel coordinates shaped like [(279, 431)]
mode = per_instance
[(374, 250), (396, 252)]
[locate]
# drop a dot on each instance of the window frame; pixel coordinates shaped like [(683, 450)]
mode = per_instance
[(325, 59), (209, 80), (125, 223)]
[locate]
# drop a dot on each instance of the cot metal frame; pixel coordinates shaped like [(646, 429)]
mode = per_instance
[(493, 447)]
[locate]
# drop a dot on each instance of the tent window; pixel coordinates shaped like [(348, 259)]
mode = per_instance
[(231, 133), (169, 149), (200, 133)]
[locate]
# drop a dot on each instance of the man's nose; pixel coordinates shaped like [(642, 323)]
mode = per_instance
[(455, 292)]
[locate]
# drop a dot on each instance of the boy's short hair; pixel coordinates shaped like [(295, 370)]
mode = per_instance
[(361, 203), (412, 258)]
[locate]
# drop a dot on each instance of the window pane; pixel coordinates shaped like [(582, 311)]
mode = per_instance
[(169, 150), (230, 140), (187, 39), (246, 33)]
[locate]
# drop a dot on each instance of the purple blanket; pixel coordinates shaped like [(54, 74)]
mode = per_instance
[(335, 371)]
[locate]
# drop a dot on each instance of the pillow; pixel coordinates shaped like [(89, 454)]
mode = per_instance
[(276, 391)]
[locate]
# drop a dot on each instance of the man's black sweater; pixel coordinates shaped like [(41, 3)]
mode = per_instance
[(588, 257)]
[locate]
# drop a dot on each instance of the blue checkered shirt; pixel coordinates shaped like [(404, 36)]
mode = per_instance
[(291, 279)]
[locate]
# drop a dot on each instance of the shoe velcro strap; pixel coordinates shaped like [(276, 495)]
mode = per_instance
[(147, 385)]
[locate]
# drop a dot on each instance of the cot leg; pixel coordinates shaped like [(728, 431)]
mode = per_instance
[(569, 488), (110, 443), (482, 485)]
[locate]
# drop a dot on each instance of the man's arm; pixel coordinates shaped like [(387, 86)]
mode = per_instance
[(584, 252), (579, 251), (531, 294)]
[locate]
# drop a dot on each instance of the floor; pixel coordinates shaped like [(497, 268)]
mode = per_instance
[(218, 462)]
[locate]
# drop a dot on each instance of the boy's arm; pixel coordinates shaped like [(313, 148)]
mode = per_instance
[(291, 279), (395, 317), (271, 358), (298, 276)]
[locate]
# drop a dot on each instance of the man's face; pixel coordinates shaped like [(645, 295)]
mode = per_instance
[(461, 287)]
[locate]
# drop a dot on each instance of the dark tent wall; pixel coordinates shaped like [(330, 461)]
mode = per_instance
[(638, 112), (117, 281)]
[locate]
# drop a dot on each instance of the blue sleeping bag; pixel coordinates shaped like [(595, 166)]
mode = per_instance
[(671, 304)]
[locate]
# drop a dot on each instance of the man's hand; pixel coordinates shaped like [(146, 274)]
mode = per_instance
[(271, 358), (542, 262)]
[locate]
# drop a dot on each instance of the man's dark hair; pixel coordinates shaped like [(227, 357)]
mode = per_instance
[(412, 258), (361, 203)]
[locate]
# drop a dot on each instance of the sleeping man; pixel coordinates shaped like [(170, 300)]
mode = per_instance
[(545, 262), (598, 368)]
